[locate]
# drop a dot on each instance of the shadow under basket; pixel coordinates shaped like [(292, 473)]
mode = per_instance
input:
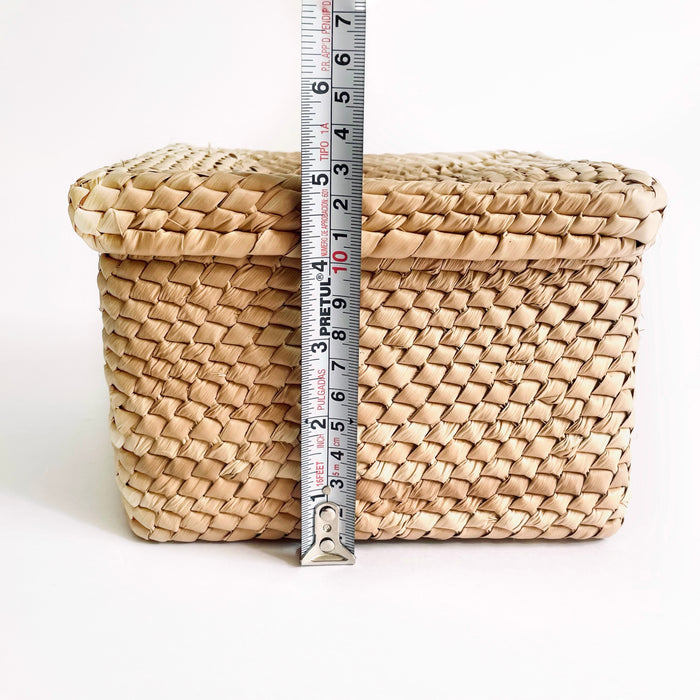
[(498, 332)]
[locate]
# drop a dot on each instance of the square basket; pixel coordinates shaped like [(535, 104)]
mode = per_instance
[(499, 305)]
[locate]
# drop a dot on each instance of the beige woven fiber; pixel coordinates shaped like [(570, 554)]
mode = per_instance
[(499, 305)]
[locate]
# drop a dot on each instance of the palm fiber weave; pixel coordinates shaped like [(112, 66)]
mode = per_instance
[(499, 305)]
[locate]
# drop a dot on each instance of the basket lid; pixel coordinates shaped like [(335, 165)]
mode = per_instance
[(497, 205)]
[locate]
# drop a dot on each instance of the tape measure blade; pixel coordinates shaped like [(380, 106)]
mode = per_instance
[(332, 145)]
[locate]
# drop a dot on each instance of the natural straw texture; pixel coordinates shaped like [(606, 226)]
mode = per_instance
[(499, 304)]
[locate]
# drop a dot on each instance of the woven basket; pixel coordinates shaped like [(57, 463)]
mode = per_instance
[(499, 304)]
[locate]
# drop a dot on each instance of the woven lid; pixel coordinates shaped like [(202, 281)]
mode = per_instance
[(502, 205)]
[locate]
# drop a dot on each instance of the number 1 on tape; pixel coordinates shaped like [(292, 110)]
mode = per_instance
[(332, 103)]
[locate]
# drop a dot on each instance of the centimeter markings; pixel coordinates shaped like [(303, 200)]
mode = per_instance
[(332, 115)]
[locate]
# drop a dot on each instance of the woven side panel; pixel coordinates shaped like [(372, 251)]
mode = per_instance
[(495, 397)]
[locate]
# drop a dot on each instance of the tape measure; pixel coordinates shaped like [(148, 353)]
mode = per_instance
[(332, 114)]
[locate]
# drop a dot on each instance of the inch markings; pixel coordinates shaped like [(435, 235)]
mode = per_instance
[(332, 97)]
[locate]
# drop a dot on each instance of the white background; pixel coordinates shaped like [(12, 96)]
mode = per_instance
[(87, 610)]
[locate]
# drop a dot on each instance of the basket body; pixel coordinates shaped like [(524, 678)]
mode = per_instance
[(495, 394)]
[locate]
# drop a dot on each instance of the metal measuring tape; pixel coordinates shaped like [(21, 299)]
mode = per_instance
[(332, 114)]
